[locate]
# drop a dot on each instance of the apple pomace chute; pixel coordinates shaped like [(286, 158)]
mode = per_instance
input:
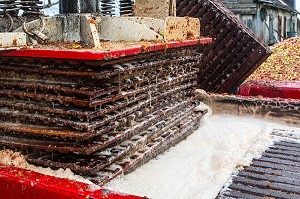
[(283, 64)]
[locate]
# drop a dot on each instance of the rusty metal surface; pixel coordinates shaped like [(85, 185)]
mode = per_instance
[(23, 116), (235, 52), (13, 13), (90, 73), (101, 159), (103, 166), (74, 102), (274, 175), (110, 134), (160, 144), (103, 100), (88, 116)]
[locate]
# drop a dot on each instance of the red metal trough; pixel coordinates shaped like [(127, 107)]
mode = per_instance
[(20, 183), (271, 89)]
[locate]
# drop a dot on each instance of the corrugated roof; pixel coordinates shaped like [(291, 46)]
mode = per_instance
[(284, 4), (280, 4)]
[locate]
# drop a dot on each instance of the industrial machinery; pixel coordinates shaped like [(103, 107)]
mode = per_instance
[(84, 92), (102, 94)]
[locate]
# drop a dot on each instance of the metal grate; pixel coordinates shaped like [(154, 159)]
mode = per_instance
[(275, 175), (235, 52), (96, 161)]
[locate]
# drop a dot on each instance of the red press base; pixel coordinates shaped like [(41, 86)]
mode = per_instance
[(19, 183)]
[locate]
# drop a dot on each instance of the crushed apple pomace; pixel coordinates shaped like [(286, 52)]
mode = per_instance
[(283, 64), (17, 159)]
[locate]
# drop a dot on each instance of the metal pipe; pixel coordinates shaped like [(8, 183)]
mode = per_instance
[(78, 6)]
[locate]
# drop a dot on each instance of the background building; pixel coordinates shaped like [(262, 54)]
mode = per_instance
[(271, 20)]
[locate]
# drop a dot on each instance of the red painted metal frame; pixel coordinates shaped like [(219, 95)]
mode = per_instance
[(85, 55), (271, 89), (20, 183)]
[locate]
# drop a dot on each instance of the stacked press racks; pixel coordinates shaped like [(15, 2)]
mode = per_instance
[(100, 120)]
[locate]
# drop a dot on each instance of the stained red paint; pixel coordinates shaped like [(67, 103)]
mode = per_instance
[(19, 183), (271, 89), (84, 55)]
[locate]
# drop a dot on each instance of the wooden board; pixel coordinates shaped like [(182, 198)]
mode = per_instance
[(182, 28)]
